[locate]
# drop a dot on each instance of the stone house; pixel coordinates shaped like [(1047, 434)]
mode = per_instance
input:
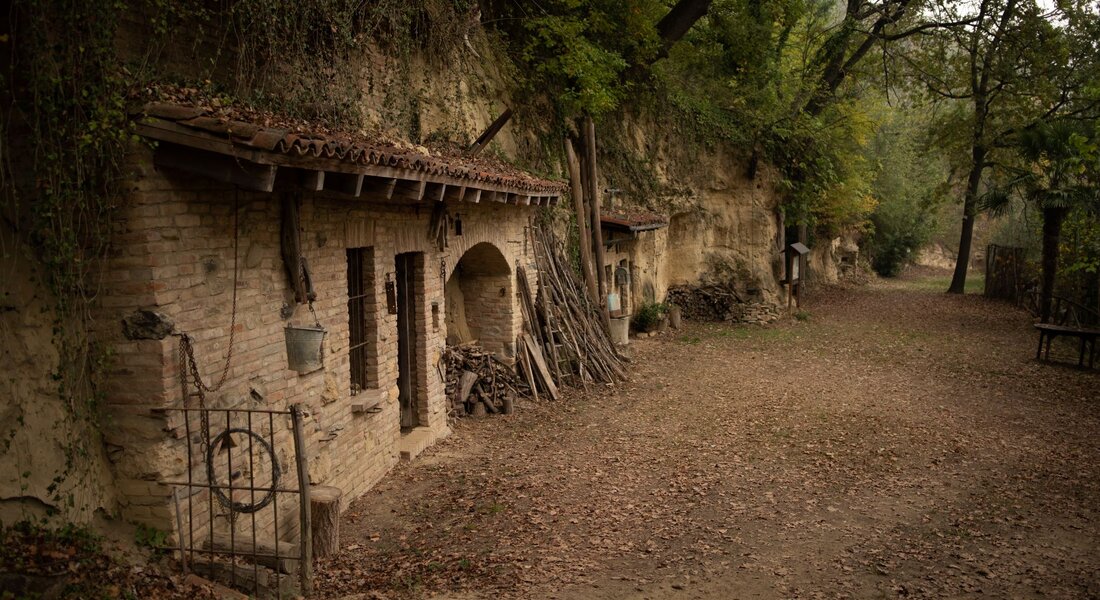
[(633, 242), (231, 227)]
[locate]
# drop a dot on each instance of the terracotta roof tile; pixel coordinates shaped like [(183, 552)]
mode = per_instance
[(350, 149)]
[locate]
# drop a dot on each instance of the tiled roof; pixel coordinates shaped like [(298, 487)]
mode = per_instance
[(349, 149), (633, 220)]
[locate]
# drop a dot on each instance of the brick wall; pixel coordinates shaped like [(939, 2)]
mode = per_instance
[(485, 280), (175, 255)]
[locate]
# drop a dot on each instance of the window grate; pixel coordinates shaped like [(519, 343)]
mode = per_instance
[(359, 288)]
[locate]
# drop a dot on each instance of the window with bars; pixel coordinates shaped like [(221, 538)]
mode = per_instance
[(360, 314)]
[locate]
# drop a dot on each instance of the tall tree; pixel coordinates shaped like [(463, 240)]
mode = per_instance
[(1059, 171), (1012, 67)]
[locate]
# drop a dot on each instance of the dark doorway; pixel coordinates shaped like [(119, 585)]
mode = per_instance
[(407, 305)]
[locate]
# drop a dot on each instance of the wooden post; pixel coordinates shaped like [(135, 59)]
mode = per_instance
[(305, 535), (324, 510), (584, 240), (594, 206), (803, 261)]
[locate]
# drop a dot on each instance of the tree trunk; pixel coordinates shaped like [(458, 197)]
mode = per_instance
[(679, 20), (593, 197), (970, 210), (1052, 235), (324, 509), (583, 237)]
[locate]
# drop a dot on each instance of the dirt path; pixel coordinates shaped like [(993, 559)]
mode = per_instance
[(899, 442)]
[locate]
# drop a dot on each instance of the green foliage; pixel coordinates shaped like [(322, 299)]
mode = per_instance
[(585, 75), (150, 537), (909, 187), (579, 50), (14, 541), (649, 316)]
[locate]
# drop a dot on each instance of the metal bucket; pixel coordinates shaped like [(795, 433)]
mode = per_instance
[(620, 330), (304, 348)]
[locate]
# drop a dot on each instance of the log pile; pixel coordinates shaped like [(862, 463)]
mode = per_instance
[(566, 340), (477, 383), (717, 302)]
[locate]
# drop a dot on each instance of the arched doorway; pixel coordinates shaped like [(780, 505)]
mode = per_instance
[(479, 300)]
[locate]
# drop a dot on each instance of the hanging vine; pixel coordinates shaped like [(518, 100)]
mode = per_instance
[(65, 133), (70, 84)]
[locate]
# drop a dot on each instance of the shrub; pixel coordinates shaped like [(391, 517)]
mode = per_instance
[(649, 316)]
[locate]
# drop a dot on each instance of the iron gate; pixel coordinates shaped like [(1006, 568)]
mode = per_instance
[(235, 506)]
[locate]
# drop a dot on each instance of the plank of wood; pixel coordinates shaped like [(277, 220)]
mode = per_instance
[(219, 167), (465, 385), (540, 365), (242, 546), (525, 366)]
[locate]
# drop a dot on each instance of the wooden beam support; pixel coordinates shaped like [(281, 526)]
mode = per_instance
[(511, 198), (380, 186), (524, 200), (219, 167), (300, 180), (313, 181), (455, 193), (411, 190), (345, 183), (434, 192), (486, 137), (168, 131), (472, 196)]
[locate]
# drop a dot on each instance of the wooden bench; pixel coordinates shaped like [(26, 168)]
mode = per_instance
[(1088, 337)]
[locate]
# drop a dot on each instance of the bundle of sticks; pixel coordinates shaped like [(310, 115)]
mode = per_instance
[(477, 383), (565, 341)]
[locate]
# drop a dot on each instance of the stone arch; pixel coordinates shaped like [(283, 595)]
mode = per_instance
[(478, 297)]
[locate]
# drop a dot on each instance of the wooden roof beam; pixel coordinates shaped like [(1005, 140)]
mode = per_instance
[(219, 167), (410, 190), (434, 192), (455, 193), (472, 196), (380, 186), (345, 183)]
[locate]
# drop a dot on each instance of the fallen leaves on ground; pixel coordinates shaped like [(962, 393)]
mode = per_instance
[(899, 442)]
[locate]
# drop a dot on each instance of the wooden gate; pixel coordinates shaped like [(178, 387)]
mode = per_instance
[(1007, 276)]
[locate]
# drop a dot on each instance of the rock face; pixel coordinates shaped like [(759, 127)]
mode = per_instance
[(147, 325)]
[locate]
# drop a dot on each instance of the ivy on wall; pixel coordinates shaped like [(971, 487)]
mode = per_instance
[(69, 89)]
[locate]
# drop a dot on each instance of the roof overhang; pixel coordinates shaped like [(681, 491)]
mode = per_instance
[(630, 225), (351, 171)]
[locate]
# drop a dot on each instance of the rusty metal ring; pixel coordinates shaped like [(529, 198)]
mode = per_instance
[(242, 507)]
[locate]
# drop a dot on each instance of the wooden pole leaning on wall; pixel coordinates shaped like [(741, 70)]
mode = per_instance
[(594, 206), (305, 533), (584, 240)]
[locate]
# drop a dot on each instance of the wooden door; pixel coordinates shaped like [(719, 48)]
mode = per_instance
[(407, 339)]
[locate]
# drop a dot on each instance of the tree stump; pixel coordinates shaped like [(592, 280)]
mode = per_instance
[(324, 510)]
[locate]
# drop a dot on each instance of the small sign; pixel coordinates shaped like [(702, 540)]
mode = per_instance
[(391, 297)]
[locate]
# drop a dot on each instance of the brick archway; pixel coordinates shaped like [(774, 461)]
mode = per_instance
[(478, 299)]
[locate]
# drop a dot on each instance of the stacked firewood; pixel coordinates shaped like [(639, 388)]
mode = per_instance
[(705, 302), (566, 340), (478, 383), (716, 302)]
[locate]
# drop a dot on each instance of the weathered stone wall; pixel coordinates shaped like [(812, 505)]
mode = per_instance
[(39, 434), (176, 257)]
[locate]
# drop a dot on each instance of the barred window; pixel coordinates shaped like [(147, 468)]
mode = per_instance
[(360, 274)]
